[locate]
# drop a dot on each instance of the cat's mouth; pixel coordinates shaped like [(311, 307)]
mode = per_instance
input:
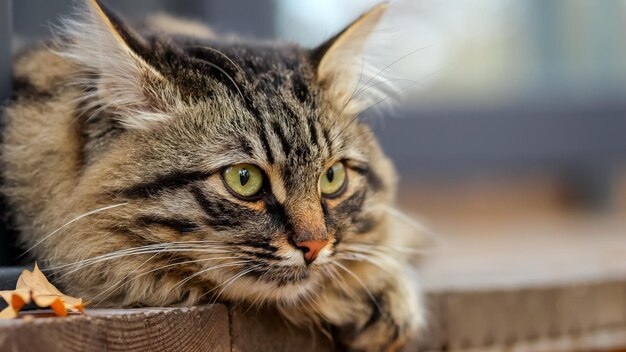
[(285, 284), (282, 275)]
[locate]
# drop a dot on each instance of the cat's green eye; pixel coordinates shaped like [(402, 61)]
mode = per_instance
[(244, 180), (333, 180)]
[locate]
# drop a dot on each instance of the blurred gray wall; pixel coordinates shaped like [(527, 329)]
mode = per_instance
[(5, 48), (33, 18)]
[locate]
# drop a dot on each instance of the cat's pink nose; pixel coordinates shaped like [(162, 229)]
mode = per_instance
[(311, 249)]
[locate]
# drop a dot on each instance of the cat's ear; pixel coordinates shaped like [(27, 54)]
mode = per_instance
[(116, 60), (341, 68)]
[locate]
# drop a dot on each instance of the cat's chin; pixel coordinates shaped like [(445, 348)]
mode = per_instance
[(283, 285)]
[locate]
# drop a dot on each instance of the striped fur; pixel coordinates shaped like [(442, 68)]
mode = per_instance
[(136, 128)]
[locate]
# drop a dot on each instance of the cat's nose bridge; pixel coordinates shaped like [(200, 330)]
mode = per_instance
[(308, 223), (310, 241)]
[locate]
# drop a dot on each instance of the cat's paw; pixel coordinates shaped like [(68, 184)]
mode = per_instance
[(395, 316)]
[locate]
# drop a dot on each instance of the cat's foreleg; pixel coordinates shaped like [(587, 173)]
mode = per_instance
[(383, 319)]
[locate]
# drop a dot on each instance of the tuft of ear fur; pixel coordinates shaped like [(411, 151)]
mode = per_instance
[(118, 78), (343, 71)]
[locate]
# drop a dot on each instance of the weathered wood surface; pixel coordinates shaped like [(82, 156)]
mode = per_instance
[(158, 329), (254, 331), (562, 318)]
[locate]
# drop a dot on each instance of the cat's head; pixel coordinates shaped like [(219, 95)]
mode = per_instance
[(241, 165)]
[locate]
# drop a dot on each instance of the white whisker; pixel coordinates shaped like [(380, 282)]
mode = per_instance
[(139, 252), (71, 222), (371, 259), (377, 75), (165, 267), (225, 265), (229, 282), (367, 291), (117, 283), (387, 248)]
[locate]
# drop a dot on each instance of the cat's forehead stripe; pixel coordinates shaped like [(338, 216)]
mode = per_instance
[(269, 154), (280, 133), (172, 180)]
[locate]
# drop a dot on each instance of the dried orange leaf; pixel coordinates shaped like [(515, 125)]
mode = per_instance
[(79, 307), (34, 286), (17, 302), (16, 296), (8, 313), (16, 299), (58, 307)]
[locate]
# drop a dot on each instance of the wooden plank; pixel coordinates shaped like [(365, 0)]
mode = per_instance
[(262, 330), (157, 329), (587, 316), (605, 340), (609, 305), (573, 315)]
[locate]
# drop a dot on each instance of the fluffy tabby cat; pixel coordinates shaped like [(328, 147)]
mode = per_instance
[(172, 167)]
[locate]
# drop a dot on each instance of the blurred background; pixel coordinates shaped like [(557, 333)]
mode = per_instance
[(509, 137)]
